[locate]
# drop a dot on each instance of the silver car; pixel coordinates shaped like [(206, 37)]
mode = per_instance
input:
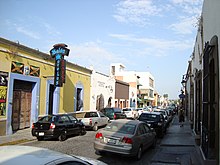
[(27, 155), (126, 137)]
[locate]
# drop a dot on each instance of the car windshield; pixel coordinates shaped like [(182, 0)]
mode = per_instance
[(121, 128), (149, 117)]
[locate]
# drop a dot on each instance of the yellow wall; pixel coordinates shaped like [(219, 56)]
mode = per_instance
[(74, 74)]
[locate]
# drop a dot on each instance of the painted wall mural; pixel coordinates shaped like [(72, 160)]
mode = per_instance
[(3, 93)]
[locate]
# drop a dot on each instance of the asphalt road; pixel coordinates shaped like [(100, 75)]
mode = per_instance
[(83, 146)]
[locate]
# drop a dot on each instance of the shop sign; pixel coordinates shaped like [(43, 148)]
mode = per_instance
[(59, 51)]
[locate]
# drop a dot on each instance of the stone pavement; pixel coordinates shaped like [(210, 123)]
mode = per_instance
[(20, 136), (178, 146)]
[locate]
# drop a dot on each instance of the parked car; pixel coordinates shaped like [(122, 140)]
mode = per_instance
[(113, 113), (130, 113), (166, 116), (154, 120), (139, 110), (92, 119), (26, 155), (57, 126), (125, 137)]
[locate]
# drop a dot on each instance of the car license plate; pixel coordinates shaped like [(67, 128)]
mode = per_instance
[(41, 133), (112, 141)]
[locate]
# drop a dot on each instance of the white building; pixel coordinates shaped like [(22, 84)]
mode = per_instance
[(202, 83), (102, 91), (138, 81), (146, 88)]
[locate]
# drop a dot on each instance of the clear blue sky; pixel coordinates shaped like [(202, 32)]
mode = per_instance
[(145, 35)]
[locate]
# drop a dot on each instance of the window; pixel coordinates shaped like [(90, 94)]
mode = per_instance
[(72, 118), (101, 114), (141, 129), (91, 114), (151, 82)]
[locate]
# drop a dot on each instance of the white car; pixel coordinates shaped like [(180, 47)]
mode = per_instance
[(27, 155), (92, 119), (130, 113), (140, 111)]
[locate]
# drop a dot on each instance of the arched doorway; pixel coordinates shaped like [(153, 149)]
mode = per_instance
[(100, 102)]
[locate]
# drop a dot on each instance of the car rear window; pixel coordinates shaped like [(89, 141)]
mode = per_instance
[(127, 109), (121, 128), (79, 115), (149, 117), (49, 119), (91, 114)]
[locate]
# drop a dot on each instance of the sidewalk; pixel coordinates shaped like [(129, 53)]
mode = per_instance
[(20, 136), (178, 146)]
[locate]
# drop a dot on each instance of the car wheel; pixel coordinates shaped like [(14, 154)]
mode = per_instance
[(154, 143), (99, 152), (95, 127), (83, 131), (40, 138), (62, 136), (139, 153)]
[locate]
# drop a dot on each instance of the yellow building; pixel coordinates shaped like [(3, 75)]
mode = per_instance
[(27, 88)]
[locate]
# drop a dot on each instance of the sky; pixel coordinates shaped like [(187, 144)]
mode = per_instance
[(155, 36)]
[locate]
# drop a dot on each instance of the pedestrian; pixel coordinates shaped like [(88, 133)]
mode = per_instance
[(181, 116)]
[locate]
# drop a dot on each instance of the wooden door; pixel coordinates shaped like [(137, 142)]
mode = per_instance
[(21, 109), (25, 109), (16, 110)]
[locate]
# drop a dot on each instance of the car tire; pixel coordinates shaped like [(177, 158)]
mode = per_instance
[(99, 152), (40, 138), (154, 143), (95, 127), (62, 136), (82, 132), (139, 153)]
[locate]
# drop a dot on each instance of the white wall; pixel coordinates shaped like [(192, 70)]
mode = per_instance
[(101, 84)]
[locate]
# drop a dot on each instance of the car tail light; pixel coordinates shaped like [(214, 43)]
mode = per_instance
[(90, 121), (52, 126), (32, 126), (99, 135), (114, 116), (127, 140)]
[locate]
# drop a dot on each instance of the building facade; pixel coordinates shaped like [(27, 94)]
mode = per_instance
[(147, 88), (121, 94), (102, 91), (27, 88), (202, 83), (141, 85)]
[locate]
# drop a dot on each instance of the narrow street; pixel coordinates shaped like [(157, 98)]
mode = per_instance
[(83, 146)]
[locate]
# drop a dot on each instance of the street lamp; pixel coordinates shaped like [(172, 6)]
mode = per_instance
[(183, 82)]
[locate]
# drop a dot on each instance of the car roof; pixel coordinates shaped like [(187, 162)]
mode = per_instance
[(124, 121), (153, 112), (16, 154)]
